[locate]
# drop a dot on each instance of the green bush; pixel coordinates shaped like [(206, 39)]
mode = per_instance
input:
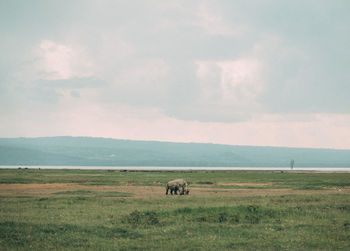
[(142, 218)]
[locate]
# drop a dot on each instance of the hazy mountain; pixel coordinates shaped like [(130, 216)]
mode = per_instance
[(114, 152)]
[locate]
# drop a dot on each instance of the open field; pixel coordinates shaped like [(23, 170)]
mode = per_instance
[(240, 210)]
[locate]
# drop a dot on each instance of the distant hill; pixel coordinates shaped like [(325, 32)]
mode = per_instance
[(86, 151)]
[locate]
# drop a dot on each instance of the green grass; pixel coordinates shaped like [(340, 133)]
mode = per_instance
[(94, 193), (100, 220), (292, 180)]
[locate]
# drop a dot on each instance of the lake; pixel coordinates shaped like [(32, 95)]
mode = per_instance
[(162, 168)]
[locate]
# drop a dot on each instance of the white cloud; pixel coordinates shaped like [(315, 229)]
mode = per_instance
[(83, 118), (221, 71), (232, 84), (112, 53), (240, 80), (144, 73), (60, 61), (212, 23)]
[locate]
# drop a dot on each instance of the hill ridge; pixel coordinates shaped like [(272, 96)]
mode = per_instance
[(100, 151)]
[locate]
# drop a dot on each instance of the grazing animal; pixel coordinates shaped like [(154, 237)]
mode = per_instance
[(177, 185)]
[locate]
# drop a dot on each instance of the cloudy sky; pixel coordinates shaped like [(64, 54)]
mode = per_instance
[(258, 72)]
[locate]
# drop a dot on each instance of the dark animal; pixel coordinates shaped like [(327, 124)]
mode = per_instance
[(177, 185)]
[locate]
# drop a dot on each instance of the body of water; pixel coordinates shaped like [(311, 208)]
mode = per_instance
[(166, 168)]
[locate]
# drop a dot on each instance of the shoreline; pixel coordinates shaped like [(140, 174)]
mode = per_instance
[(160, 168)]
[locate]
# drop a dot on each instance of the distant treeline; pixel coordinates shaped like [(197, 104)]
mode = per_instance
[(87, 151)]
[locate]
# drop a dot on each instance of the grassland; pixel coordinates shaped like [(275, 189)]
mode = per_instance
[(115, 210)]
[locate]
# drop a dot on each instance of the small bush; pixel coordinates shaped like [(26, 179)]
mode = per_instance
[(142, 218), (134, 218), (251, 214), (151, 218), (115, 194), (80, 198), (184, 210), (205, 182), (223, 217), (122, 233), (78, 192), (252, 209), (344, 208), (234, 218), (253, 219)]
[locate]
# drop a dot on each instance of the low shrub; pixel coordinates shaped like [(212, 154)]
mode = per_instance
[(142, 218), (205, 182), (250, 214)]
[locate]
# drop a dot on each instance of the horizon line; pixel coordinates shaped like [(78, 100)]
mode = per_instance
[(175, 142)]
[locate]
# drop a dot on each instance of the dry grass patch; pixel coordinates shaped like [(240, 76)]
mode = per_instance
[(147, 192)]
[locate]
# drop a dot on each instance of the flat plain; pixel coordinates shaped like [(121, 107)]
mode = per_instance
[(128, 210)]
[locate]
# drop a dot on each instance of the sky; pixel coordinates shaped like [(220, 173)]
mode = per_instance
[(258, 72)]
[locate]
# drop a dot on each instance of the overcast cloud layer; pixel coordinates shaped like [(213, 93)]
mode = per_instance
[(263, 72)]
